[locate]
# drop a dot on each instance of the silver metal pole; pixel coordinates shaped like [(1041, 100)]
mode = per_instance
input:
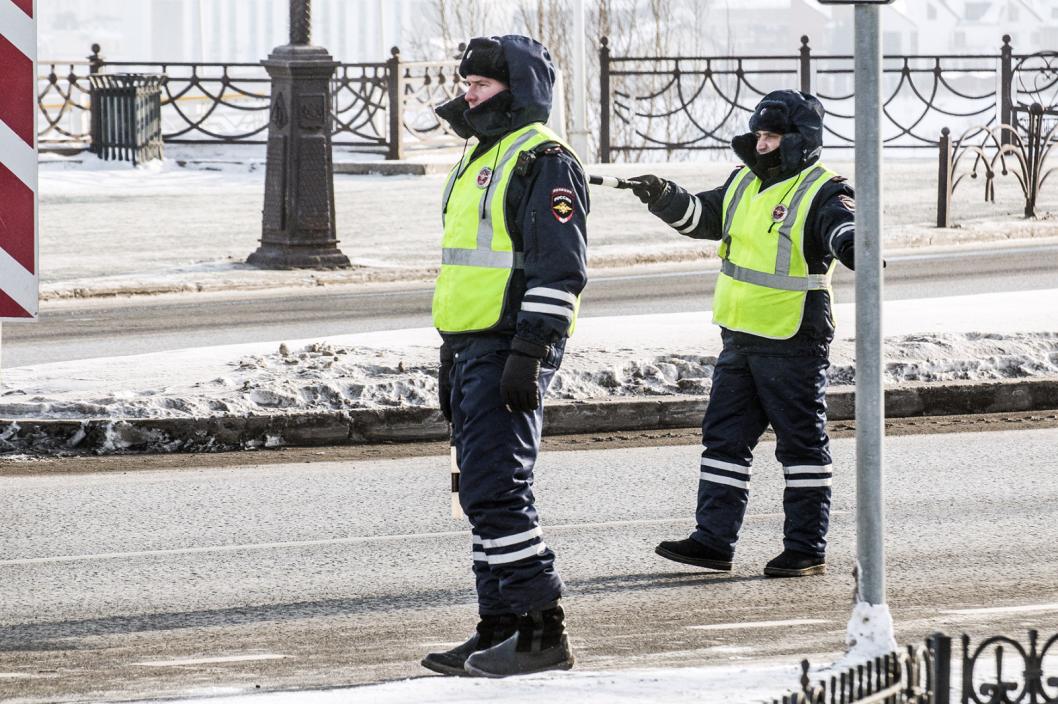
[(870, 400), (579, 134)]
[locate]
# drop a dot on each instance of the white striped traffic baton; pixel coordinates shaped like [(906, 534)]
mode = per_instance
[(457, 510), (18, 160), (610, 182)]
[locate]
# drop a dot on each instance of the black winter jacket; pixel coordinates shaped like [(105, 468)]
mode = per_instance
[(552, 239), (829, 230)]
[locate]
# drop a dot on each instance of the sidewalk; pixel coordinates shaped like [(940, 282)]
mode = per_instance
[(109, 229)]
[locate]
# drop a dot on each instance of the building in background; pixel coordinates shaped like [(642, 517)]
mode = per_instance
[(364, 30), (215, 30)]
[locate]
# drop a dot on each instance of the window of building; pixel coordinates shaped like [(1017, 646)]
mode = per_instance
[(976, 10), (1013, 13), (931, 12)]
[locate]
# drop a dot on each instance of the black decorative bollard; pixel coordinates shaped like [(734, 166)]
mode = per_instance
[(298, 229)]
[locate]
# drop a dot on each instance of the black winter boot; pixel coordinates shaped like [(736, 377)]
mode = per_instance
[(795, 564), (540, 644), (690, 552), (490, 631)]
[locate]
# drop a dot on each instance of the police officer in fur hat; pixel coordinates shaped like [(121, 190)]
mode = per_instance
[(783, 219), (513, 264)]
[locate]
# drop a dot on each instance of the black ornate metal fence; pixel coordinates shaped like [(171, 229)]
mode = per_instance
[(1019, 147), (676, 104), (229, 102), (999, 670)]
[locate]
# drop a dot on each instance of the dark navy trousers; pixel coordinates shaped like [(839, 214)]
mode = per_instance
[(754, 386), (496, 450)]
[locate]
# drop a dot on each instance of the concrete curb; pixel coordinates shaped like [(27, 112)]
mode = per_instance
[(141, 435), (391, 168)]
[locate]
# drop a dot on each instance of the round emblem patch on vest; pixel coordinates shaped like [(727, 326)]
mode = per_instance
[(484, 176), (562, 204), (779, 214)]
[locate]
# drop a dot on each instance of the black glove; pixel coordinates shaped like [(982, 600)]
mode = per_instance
[(444, 382), (847, 256), (519, 384), (649, 188)]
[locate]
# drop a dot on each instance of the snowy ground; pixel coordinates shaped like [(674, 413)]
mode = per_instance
[(110, 228), (733, 684), (990, 336)]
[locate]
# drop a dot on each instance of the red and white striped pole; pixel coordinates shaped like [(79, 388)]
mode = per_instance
[(18, 160)]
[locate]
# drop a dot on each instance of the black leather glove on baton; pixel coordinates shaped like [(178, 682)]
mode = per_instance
[(444, 382), (649, 188), (519, 384)]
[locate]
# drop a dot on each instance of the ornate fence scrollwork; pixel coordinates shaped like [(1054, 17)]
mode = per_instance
[(64, 103), (1020, 148), (359, 93), (691, 103), (229, 102), (423, 86), (1000, 670), (916, 675)]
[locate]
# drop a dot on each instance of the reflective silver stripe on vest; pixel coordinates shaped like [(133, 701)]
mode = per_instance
[(485, 224), (782, 257), (484, 258), (456, 173), (733, 205), (812, 282)]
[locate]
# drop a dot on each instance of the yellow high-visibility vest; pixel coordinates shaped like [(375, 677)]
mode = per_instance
[(764, 277), (477, 257)]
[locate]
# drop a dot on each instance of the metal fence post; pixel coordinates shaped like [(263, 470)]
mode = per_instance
[(95, 60), (604, 100), (1006, 78), (944, 180), (806, 65), (940, 646), (95, 65), (1035, 154), (395, 80)]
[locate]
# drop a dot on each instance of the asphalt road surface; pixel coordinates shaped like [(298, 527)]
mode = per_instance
[(146, 580), (114, 327)]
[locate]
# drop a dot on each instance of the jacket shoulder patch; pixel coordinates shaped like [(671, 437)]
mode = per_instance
[(563, 204)]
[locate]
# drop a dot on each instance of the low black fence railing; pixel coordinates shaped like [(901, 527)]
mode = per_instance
[(1021, 147), (998, 670), (229, 102), (679, 104)]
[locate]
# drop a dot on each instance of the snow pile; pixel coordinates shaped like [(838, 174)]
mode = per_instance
[(956, 357), (869, 634), (328, 376)]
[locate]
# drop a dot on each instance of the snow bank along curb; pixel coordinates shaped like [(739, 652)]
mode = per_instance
[(413, 424)]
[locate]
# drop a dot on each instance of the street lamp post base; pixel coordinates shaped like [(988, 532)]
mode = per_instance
[(273, 256)]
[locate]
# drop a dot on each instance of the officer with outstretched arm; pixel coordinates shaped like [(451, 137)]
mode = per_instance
[(783, 219), (513, 266)]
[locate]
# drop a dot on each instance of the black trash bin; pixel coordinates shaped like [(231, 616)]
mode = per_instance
[(127, 116)]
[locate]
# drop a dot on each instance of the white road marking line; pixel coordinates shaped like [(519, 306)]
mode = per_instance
[(342, 541), (757, 624), (210, 661), (1003, 610), (16, 675)]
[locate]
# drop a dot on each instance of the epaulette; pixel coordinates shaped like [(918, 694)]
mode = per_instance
[(527, 158)]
